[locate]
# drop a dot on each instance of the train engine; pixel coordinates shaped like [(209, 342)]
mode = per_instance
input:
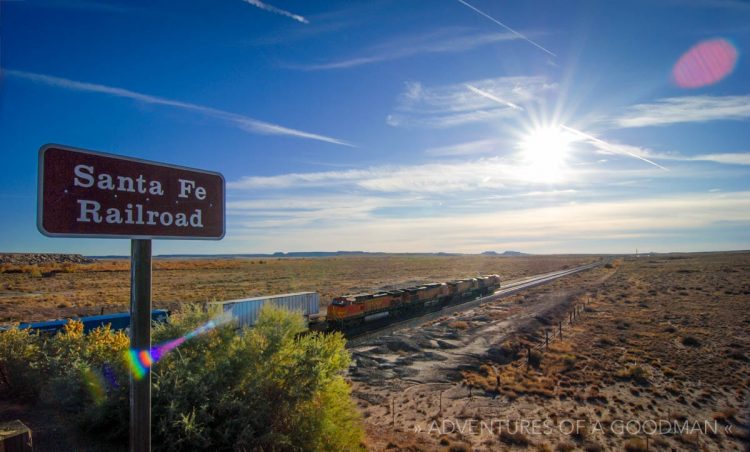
[(351, 310)]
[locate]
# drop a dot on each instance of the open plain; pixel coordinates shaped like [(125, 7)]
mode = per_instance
[(51, 290), (655, 358), (647, 353)]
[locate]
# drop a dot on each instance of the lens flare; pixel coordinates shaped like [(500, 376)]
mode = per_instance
[(137, 368), (95, 385), (141, 361), (705, 64)]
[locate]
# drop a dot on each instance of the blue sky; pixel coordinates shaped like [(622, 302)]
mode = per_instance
[(418, 126)]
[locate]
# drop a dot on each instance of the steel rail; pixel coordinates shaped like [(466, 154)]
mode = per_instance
[(511, 288)]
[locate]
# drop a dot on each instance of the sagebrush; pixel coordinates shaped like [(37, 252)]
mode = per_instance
[(272, 387)]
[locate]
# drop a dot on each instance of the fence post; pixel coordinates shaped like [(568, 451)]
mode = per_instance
[(560, 325), (528, 357), (546, 338)]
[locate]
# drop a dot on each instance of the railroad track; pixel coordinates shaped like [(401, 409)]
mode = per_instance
[(509, 288)]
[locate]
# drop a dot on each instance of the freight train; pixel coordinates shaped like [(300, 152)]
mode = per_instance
[(343, 313), (116, 321), (353, 310)]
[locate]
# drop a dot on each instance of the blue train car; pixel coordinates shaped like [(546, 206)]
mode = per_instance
[(118, 321)]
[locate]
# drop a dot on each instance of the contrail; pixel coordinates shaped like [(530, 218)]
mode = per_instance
[(610, 147), (493, 97), (242, 122), (273, 9), (507, 28)]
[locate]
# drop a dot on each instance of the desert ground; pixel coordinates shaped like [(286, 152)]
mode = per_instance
[(48, 290), (656, 358), (654, 353)]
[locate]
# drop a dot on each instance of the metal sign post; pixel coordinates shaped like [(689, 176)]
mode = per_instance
[(85, 193), (140, 339)]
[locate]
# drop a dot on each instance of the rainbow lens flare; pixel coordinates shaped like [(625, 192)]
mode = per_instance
[(141, 361), (137, 367), (705, 63), (95, 385)]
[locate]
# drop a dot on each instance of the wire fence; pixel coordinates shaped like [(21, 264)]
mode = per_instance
[(575, 315)]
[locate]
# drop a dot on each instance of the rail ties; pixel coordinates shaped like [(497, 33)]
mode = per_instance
[(356, 338)]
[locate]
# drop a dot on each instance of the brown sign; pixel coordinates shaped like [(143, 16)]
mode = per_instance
[(92, 194)]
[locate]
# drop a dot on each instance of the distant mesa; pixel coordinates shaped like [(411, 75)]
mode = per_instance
[(505, 253), (307, 254)]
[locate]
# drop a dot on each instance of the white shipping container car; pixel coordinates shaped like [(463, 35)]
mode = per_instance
[(246, 310)]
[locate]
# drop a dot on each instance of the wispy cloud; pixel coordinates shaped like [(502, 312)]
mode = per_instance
[(493, 97), (475, 205), (243, 122), (475, 147), (275, 10), (451, 105), (737, 158), (726, 158), (445, 177), (685, 109), (446, 40), (360, 223), (525, 38)]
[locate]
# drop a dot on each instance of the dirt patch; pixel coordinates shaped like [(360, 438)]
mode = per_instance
[(659, 343)]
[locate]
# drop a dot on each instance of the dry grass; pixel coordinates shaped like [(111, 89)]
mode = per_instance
[(58, 290), (664, 338), (458, 325)]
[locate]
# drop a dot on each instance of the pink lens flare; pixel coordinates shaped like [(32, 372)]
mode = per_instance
[(705, 63)]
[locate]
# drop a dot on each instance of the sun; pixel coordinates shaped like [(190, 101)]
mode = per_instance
[(543, 153)]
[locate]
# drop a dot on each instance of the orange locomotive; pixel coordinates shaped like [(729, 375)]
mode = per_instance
[(352, 310)]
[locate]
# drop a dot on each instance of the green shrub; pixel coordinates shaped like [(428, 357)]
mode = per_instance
[(21, 363), (569, 361), (272, 387), (269, 387)]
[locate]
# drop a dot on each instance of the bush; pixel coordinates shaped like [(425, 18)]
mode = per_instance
[(458, 325), (20, 363), (634, 373), (271, 387), (691, 341), (84, 377), (33, 270), (516, 438), (635, 445), (569, 361), (535, 359)]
